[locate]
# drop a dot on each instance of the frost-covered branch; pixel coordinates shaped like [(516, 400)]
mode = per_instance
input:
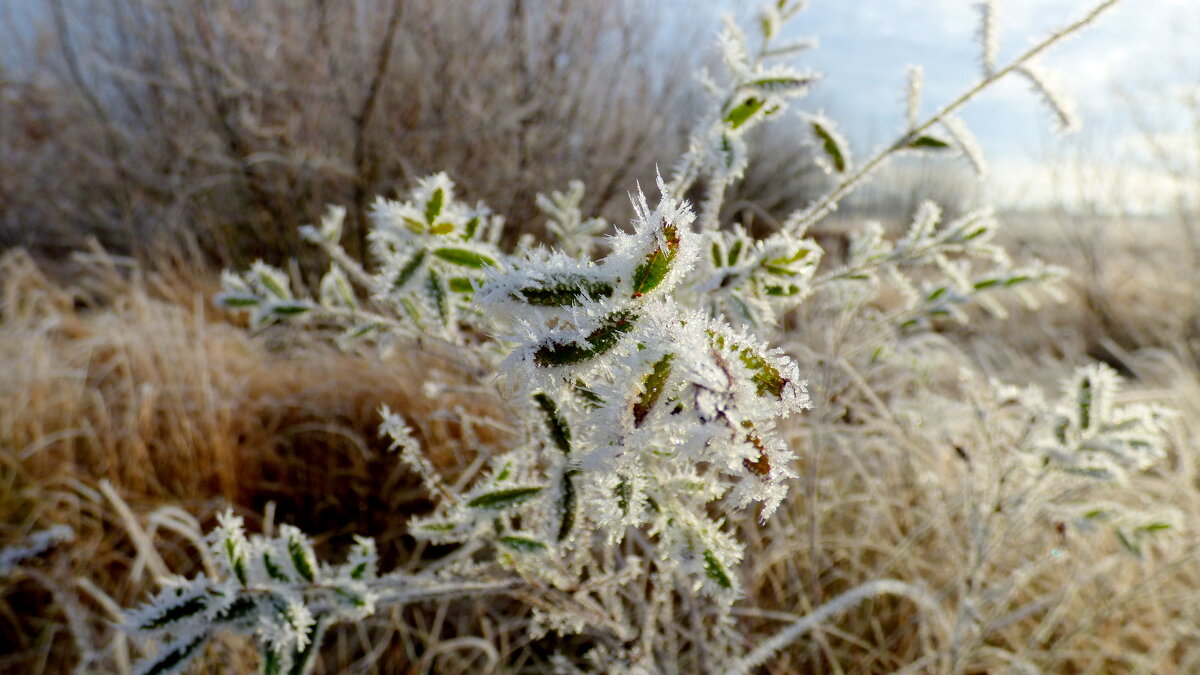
[(917, 137)]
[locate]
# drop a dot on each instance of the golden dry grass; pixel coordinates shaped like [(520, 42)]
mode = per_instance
[(128, 376), (174, 406)]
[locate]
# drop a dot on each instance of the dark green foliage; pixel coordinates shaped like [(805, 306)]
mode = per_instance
[(560, 433), (503, 499), (599, 341)]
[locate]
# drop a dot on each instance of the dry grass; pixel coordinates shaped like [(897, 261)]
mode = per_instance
[(113, 372), (175, 407), (139, 383)]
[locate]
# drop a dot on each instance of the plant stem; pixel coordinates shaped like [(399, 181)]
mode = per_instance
[(801, 219)]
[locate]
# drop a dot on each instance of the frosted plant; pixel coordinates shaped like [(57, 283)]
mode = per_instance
[(273, 588), (754, 88), (942, 130), (433, 251), (753, 281), (1092, 436), (650, 403), (1074, 451), (34, 545), (276, 590), (938, 267), (574, 235)]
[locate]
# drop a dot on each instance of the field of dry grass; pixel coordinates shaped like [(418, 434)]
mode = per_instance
[(133, 411)]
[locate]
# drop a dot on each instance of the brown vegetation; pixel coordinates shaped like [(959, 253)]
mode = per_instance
[(231, 123), (235, 122)]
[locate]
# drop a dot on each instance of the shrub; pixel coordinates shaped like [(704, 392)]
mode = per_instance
[(652, 412)]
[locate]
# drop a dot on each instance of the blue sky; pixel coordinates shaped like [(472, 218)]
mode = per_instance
[(1147, 48)]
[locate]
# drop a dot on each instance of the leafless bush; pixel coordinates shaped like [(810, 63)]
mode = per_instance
[(232, 120)]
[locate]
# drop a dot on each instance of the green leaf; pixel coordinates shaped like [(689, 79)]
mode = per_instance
[(461, 285), (175, 656), (437, 295), (272, 661), (652, 389), (238, 300), (781, 266), (355, 332), (442, 228), (712, 568), (433, 207), (927, 143), (591, 398), (504, 473), (464, 257), (651, 273), (410, 310), (290, 308), (1129, 544), (522, 544), (415, 226), (560, 433), (727, 151), (410, 268), (301, 560), (735, 252), (780, 83), (273, 570), (272, 284), (743, 111), (744, 311), (1085, 404), (176, 613), (471, 228), (503, 499), (766, 376), (624, 494), (599, 341), (566, 506), (779, 271), (831, 143), (336, 290), (241, 608), (563, 290), (237, 562), (353, 599), (977, 232), (782, 291)]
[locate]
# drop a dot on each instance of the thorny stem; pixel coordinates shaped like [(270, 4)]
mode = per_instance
[(439, 347), (338, 254), (396, 589), (801, 219), (686, 175)]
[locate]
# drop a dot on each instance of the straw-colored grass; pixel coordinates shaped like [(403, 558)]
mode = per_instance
[(133, 379)]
